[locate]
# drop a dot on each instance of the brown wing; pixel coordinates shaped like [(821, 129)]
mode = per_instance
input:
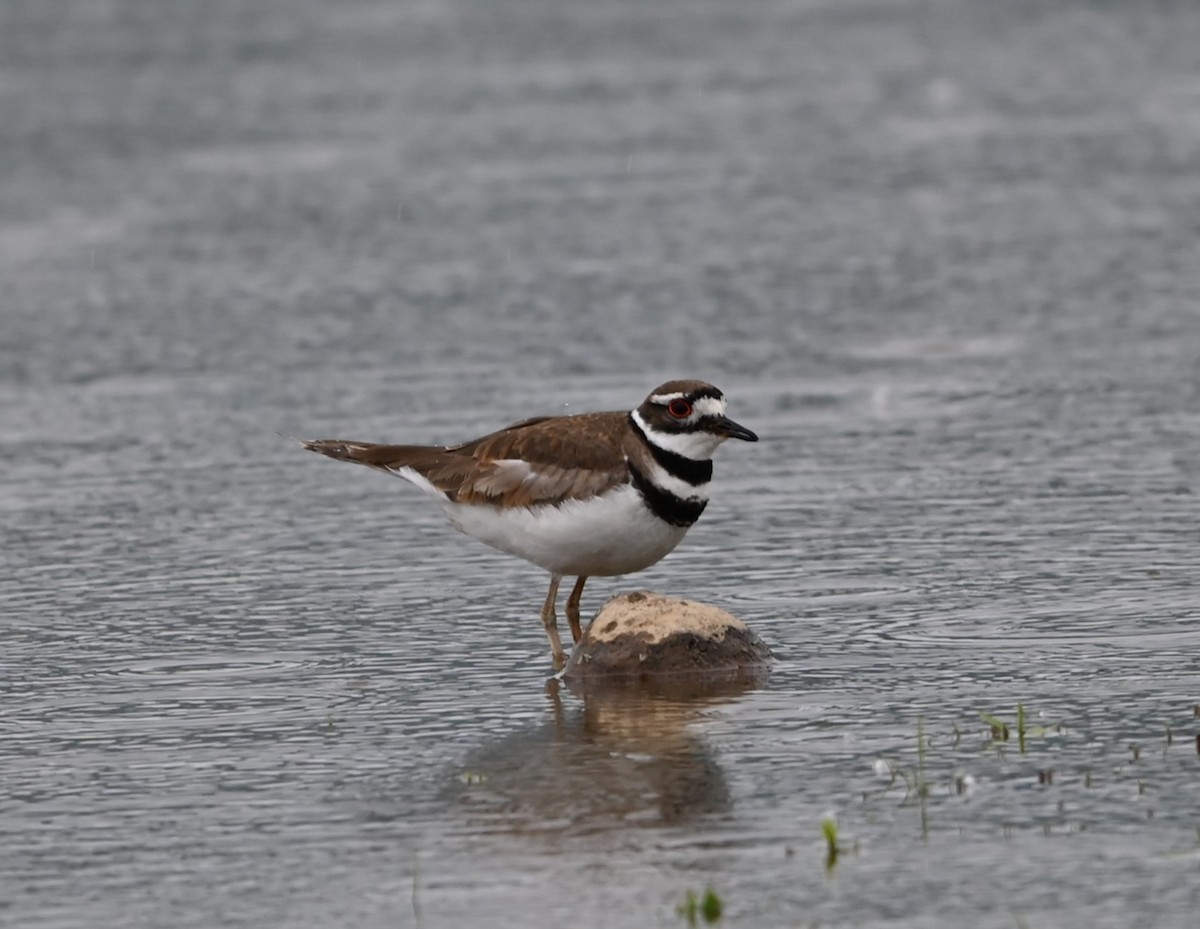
[(538, 461)]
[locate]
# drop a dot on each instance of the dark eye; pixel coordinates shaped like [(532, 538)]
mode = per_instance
[(680, 409)]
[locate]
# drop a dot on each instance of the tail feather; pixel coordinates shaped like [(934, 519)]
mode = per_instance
[(339, 449), (417, 464), (389, 457)]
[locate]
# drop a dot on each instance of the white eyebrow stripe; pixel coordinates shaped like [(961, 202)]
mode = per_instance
[(664, 399)]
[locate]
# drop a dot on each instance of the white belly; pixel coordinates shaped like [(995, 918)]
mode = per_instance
[(612, 534)]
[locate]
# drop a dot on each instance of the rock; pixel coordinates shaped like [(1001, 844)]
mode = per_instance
[(646, 637)]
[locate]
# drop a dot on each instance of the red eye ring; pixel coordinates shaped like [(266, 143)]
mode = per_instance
[(680, 409)]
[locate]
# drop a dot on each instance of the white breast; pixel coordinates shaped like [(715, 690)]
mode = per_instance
[(611, 534)]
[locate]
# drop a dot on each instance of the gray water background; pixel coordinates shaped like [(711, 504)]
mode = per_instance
[(942, 256)]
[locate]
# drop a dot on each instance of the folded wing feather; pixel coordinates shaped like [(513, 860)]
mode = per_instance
[(535, 462)]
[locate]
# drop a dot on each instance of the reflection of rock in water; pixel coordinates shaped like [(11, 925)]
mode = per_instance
[(623, 758)]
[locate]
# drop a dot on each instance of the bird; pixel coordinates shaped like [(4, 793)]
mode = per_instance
[(581, 495)]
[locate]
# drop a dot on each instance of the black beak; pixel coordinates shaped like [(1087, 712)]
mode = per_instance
[(728, 428)]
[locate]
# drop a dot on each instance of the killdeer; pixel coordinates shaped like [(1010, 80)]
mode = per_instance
[(595, 494)]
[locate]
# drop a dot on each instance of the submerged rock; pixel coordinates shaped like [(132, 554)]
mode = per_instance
[(644, 636)]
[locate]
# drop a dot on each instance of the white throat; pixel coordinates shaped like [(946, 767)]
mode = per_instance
[(698, 446)]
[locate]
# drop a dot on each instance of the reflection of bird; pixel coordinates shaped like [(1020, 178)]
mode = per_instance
[(611, 760), (593, 494)]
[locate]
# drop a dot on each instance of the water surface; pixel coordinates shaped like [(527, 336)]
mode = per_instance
[(940, 255)]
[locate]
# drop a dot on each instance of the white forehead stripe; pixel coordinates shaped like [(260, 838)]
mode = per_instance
[(710, 406)]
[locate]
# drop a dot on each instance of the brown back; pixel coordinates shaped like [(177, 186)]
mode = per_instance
[(538, 461)]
